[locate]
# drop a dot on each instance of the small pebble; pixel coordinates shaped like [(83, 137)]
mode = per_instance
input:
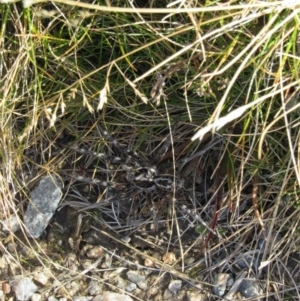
[(131, 287), (135, 277), (40, 278), (189, 260), (148, 262), (175, 286), (24, 288), (138, 279)]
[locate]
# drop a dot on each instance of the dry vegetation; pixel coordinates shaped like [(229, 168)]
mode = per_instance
[(167, 80)]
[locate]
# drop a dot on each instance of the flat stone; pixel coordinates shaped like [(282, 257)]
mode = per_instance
[(24, 288), (220, 283), (11, 224), (44, 201), (40, 278), (251, 288), (138, 279), (131, 287)]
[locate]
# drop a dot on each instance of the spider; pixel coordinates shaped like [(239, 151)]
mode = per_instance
[(130, 178)]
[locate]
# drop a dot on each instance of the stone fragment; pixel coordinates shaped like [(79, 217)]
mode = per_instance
[(175, 286), (24, 288), (220, 283), (11, 224), (189, 260), (137, 279), (131, 287), (44, 201)]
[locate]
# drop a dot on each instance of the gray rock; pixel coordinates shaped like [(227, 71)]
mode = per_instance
[(135, 277), (138, 279), (175, 286), (41, 278), (251, 288), (24, 288), (131, 287), (11, 224), (221, 281), (52, 298), (189, 260), (44, 201)]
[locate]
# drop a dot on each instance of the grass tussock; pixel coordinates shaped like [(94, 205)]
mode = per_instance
[(229, 70)]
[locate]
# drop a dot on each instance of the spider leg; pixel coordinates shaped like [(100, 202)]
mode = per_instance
[(140, 161)]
